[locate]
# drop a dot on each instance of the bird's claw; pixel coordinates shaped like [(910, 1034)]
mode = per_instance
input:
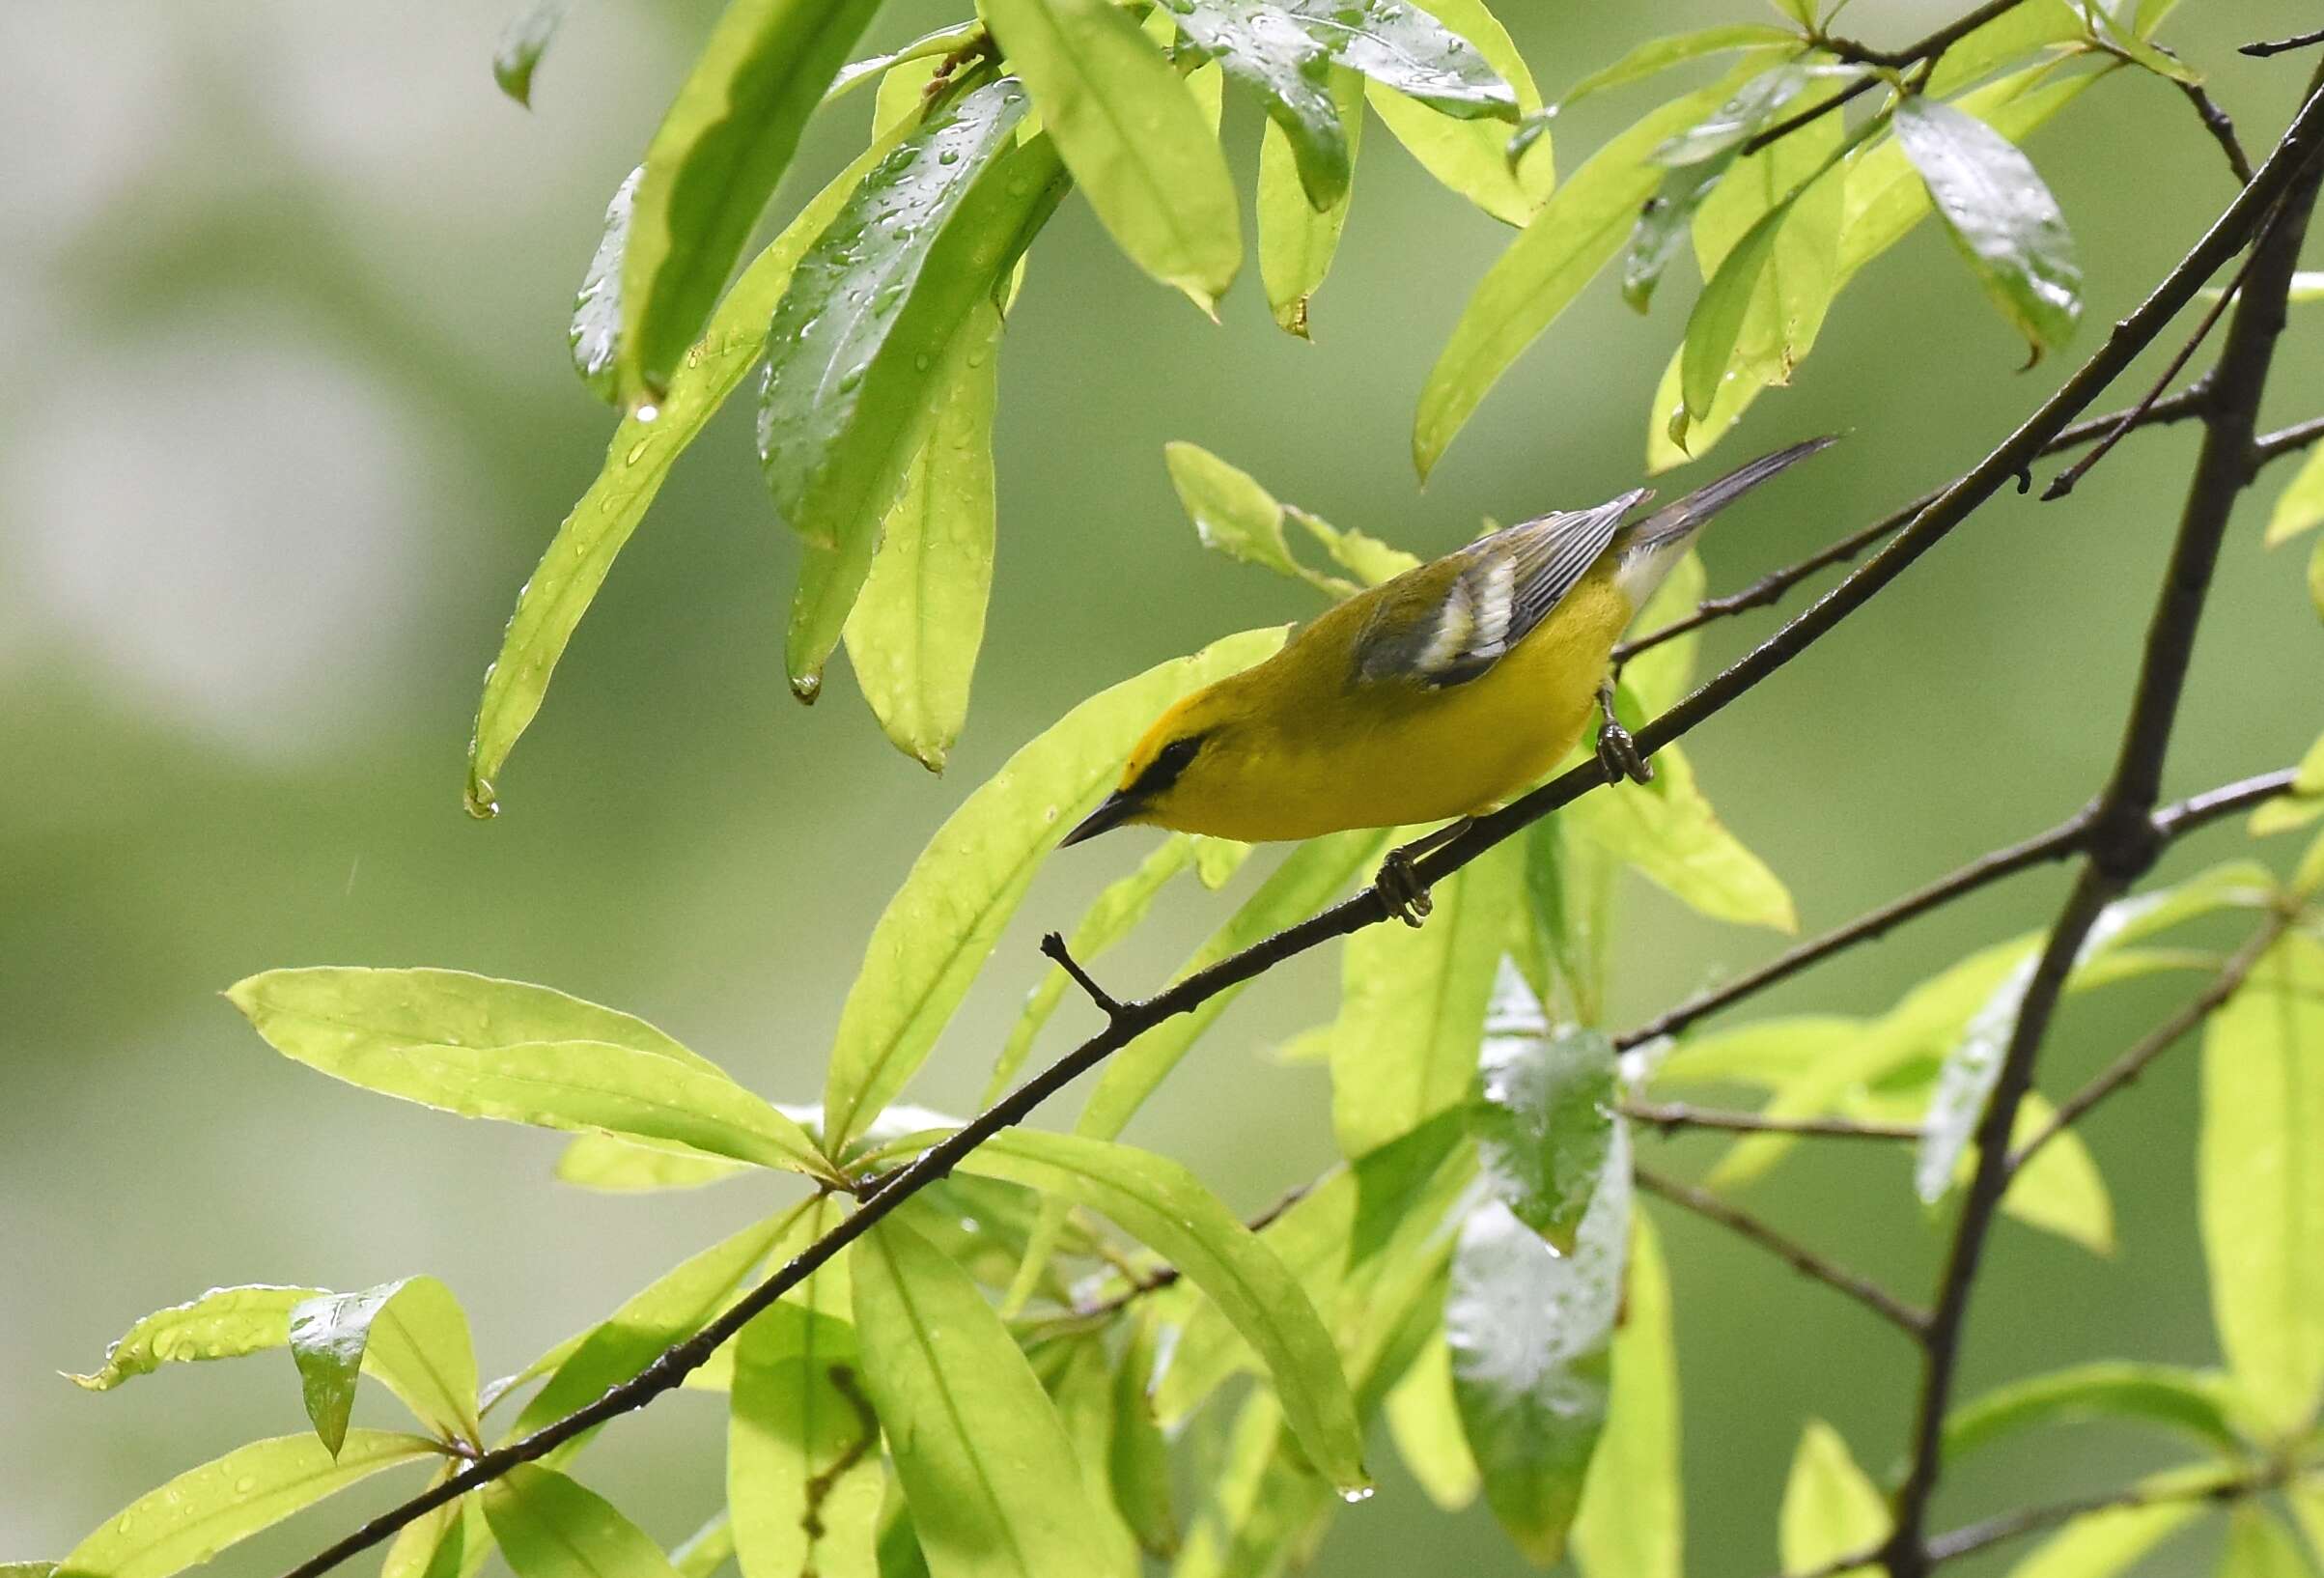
[(1401, 889), (1618, 753)]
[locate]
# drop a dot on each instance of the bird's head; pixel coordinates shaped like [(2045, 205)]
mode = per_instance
[(1169, 766)]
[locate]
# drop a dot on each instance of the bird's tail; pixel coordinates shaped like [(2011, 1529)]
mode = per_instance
[(1647, 550)]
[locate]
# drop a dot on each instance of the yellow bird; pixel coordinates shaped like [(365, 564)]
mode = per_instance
[(1439, 694)]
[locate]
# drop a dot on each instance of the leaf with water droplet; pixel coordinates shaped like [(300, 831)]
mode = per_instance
[(713, 164), (523, 44), (1450, 55), (1263, 48), (411, 1335), (1299, 238), (596, 308), (223, 1323)]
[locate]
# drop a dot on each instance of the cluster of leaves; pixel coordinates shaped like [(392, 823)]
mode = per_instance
[(879, 310)]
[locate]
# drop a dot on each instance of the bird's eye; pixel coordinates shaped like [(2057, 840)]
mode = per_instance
[(1178, 752)]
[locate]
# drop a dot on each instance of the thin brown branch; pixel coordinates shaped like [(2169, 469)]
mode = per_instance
[(2226, 237), (1769, 587), (1973, 1537), (1053, 944), (2222, 127), (1923, 53), (2286, 441), (2200, 810), (1165, 1275), (1913, 1323), (1671, 1116), (2262, 49)]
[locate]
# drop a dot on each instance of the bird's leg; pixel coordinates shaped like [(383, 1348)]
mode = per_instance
[(1399, 881), (1617, 753)]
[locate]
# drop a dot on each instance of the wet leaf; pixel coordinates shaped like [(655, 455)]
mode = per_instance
[(2194, 1403), (1676, 49), (1163, 193), (2261, 1197), (550, 1527), (1262, 47), (2300, 507), (1412, 1004), (2001, 215), (223, 1323), (1544, 1113), (523, 44), (2006, 38), (638, 459), (203, 1510), (1234, 515), (711, 167), (1450, 55), (411, 1335), (1298, 238), (938, 930), (991, 1476), (1425, 1423), (1632, 1520), (913, 634), (1166, 1207), (623, 1167), (802, 1449), (1830, 1507), (595, 335), (1669, 832), (1469, 155)]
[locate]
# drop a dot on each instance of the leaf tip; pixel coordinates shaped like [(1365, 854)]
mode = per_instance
[(806, 688), (479, 797)]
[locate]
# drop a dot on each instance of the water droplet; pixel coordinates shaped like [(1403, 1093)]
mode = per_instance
[(952, 155), (1355, 1494), (920, 362), (637, 452), (647, 413), (247, 1483)]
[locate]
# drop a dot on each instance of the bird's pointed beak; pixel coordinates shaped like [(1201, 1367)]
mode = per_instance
[(1119, 807)]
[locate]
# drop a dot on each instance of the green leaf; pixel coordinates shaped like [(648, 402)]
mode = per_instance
[(203, 1510), (860, 348), (2260, 1195), (1769, 1053), (2059, 1190), (1234, 515), (1167, 1208), (421, 1353), (523, 44), (1298, 238), (223, 1323), (2101, 1544), (991, 1478), (1716, 325), (1657, 55), (1668, 830), (938, 930), (595, 335), (1261, 48), (711, 167), (2001, 215), (2261, 1546), (1133, 136), (1412, 1004), (450, 1542), (1576, 233), (1633, 1515), (1368, 559), (669, 1310), (1425, 1423), (550, 1527), (1217, 859), (2009, 38), (2300, 507), (1452, 55), (1138, 1456), (2315, 577), (621, 1166), (804, 1475), (637, 461), (707, 1549), (370, 1030), (1531, 1331), (916, 629), (1507, 178), (1544, 1113), (1261, 1500), (1830, 1507), (1735, 122), (2195, 1403)]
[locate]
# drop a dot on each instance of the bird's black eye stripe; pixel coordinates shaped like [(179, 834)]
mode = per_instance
[(1168, 764)]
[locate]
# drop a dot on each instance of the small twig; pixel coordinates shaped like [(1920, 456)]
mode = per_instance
[(1972, 1537), (2262, 49), (1671, 1116), (1871, 1295), (1054, 944), (2200, 810), (2285, 441), (2222, 127), (1162, 1276), (1923, 53)]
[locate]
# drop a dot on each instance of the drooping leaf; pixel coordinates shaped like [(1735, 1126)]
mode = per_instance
[(1368, 559), (992, 1478), (2258, 1187), (916, 629), (1166, 1207), (1133, 136), (1080, 1380), (1259, 1501), (1412, 1004), (1460, 140), (1576, 233), (1544, 1114), (1235, 515), (802, 1449), (711, 167), (453, 1541), (223, 1323), (2100, 1544), (203, 1510), (360, 1027), (1830, 1507), (707, 1549), (1424, 1420), (550, 1527), (2300, 507), (1676, 49), (596, 332), (1263, 48), (638, 459), (2197, 1404), (2261, 1546), (2060, 1189), (1736, 120), (945, 917), (1669, 832), (1217, 859), (2004, 40), (412, 1334), (1298, 238), (1452, 55), (623, 1167), (1531, 1331), (1138, 1456), (523, 44), (1632, 1520), (2001, 215)]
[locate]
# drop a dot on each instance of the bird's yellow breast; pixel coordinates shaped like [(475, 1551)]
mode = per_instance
[(1312, 750)]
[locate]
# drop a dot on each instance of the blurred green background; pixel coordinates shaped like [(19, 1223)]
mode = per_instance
[(283, 292)]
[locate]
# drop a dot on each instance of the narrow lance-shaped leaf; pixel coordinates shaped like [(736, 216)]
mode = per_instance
[(1669, 833), (1132, 135), (638, 459), (1630, 1522), (2100, 1544), (943, 920), (712, 165), (2300, 507), (1676, 49), (1138, 1456), (223, 1323), (1261, 46), (1080, 1380), (802, 1457), (595, 335), (1424, 1420), (203, 1510), (1830, 1507), (992, 1478), (1507, 178), (2001, 215), (410, 1334), (1430, 51), (523, 44), (624, 1167), (1298, 240), (1543, 1118), (2259, 1546), (2060, 1189), (2197, 1404), (1167, 1208), (550, 1527), (1237, 517), (913, 636), (707, 1549)]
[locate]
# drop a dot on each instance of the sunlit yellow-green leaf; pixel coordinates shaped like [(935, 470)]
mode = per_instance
[(2300, 507), (1298, 238), (624, 1167), (1425, 1423), (2195, 1403), (2259, 1546), (2100, 1544), (2060, 1189), (1632, 1520), (550, 1527), (412, 1334), (802, 1449), (1668, 830), (1830, 1507), (223, 1323), (1237, 517), (1660, 54), (2001, 214)]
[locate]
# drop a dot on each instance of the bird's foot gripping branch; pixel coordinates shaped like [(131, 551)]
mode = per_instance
[(968, 1347)]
